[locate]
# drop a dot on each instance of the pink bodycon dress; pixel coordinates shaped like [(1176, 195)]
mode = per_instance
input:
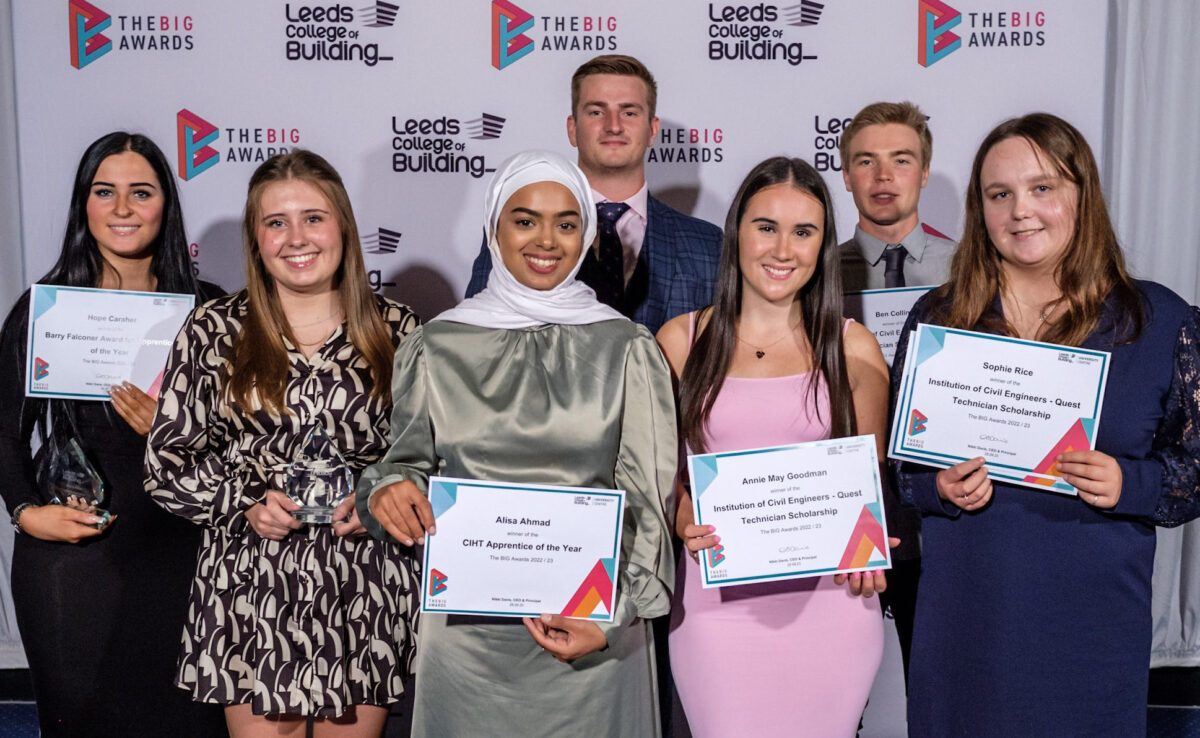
[(790, 658)]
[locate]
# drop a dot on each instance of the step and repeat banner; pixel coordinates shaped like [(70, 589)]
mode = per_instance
[(416, 102)]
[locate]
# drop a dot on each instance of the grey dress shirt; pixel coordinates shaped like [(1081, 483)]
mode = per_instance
[(927, 263)]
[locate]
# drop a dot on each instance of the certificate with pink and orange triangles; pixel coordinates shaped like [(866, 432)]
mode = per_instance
[(1016, 403), (788, 512), (513, 550)]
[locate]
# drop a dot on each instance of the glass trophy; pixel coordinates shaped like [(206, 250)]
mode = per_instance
[(318, 479), (75, 483)]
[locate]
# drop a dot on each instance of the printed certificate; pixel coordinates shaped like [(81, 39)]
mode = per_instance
[(514, 550), (792, 511), (883, 312), (81, 340), (1018, 404)]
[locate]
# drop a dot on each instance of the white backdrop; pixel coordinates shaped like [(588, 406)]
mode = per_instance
[(719, 116), (227, 63)]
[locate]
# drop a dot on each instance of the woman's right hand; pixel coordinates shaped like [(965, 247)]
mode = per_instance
[(403, 511), (699, 537), (61, 523), (965, 484), (272, 519)]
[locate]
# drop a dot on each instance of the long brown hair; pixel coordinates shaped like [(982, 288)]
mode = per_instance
[(820, 300), (1092, 266), (260, 363)]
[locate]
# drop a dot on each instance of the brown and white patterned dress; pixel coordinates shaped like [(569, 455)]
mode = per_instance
[(310, 624)]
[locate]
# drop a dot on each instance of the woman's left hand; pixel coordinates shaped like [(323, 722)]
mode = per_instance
[(136, 407), (566, 639), (866, 583), (1095, 474), (345, 519)]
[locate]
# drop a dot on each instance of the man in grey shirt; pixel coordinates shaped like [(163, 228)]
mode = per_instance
[(885, 164)]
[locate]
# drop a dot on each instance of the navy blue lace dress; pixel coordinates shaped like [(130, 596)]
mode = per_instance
[(1033, 617)]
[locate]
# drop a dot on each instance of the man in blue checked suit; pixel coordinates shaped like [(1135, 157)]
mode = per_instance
[(651, 262)]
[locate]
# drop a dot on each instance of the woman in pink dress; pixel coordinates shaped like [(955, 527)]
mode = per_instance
[(773, 362)]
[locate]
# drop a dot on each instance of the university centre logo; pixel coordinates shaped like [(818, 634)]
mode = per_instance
[(197, 140), (486, 126), (984, 28), (133, 32), (511, 25), (87, 42), (934, 38), (807, 13), (380, 15), (444, 145), (382, 241), (760, 32), (333, 33)]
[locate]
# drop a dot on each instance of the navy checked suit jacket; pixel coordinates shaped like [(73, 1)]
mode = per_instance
[(681, 254)]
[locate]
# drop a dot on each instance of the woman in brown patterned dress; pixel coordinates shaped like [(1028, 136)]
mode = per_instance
[(286, 620)]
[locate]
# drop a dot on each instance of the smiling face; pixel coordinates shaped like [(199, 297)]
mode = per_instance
[(612, 127), (540, 234), (779, 242), (298, 237), (1029, 208), (885, 175), (125, 207)]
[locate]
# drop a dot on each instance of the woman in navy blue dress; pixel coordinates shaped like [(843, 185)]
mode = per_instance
[(1034, 612)]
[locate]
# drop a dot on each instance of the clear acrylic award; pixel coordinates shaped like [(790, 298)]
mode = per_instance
[(75, 483), (318, 479)]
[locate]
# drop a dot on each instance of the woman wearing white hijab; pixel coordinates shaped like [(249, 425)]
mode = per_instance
[(534, 381)]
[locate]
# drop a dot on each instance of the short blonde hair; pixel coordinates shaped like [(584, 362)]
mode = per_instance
[(904, 113)]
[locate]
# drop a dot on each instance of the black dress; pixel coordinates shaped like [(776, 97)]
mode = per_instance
[(100, 620)]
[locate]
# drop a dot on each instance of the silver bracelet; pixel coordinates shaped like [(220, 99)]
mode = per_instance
[(16, 515)]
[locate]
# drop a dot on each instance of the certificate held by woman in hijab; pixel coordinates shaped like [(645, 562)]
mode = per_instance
[(514, 550)]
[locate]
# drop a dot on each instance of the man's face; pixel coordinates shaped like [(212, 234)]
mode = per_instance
[(612, 127), (885, 173)]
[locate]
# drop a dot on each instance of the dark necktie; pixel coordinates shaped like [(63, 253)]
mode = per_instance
[(606, 273), (893, 261)]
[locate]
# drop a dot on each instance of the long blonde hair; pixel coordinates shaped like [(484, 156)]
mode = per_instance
[(260, 365)]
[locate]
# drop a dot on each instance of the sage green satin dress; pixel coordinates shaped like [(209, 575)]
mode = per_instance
[(588, 406)]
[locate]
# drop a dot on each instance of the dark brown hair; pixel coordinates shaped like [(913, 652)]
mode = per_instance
[(260, 364), (820, 300), (620, 64), (880, 113), (1091, 268), (80, 263)]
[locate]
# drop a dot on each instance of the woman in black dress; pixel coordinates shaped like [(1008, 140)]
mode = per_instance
[(100, 611)]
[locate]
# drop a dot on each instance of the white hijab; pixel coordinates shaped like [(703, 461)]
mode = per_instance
[(505, 302)]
